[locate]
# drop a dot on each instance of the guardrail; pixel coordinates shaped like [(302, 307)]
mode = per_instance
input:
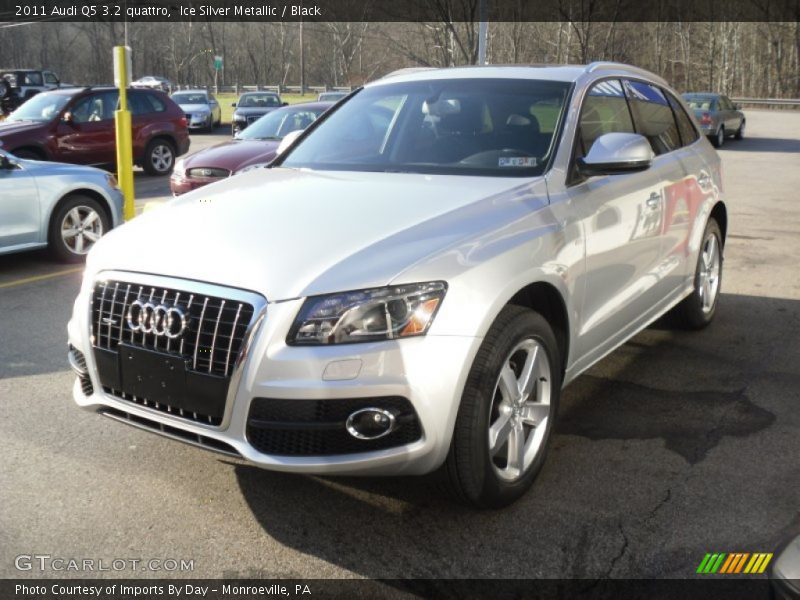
[(278, 89), (793, 102)]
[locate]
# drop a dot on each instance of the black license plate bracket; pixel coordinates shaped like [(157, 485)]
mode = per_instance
[(156, 376)]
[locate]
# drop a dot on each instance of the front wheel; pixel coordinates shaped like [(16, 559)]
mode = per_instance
[(719, 138), (75, 227), (697, 310), (740, 132), (507, 411), (159, 157)]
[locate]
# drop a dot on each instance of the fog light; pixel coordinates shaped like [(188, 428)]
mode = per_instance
[(370, 423)]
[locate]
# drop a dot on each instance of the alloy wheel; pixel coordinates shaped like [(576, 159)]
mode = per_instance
[(161, 158), (520, 410), (80, 229), (708, 274)]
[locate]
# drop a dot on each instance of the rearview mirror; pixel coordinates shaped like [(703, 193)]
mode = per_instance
[(284, 104), (288, 140), (614, 153), (233, 104)]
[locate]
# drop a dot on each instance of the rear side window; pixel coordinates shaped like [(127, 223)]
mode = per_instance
[(604, 111), (50, 78), (33, 78), (685, 127), (97, 107), (653, 116), (156, 103), (139, 104)]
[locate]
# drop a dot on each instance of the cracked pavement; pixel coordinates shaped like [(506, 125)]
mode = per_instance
[(677, 444)]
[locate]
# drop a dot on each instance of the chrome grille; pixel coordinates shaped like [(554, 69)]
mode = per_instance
[(252, 119), (208, 172), (214, 334)]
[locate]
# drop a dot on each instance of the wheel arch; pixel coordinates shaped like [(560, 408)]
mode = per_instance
[(88, 192), (38, 149), (720, 214), (546, 299)]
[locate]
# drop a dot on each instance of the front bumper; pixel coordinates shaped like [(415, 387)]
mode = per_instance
[(179, 184), (429, 372), (199, 121)]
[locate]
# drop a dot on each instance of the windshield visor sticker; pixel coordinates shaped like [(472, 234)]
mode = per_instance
[(516, 161)]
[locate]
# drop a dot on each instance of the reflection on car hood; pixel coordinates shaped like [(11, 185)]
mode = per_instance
[(195, 107), (290, 233), (9, 127), (250, 111), (233, 155)]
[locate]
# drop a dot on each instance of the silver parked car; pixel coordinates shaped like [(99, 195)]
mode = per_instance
[(718, 116), (64, 207), (413, 280), (201, 108)]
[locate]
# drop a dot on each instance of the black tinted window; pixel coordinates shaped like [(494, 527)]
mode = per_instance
[(652, 116), (97, 107), (156, 103), (138, 104), (685, 126), (604, 111)]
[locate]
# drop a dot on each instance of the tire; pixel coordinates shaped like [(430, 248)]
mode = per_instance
[(698, 309), (740, 132), (719, 137), (471, 473), (76, 225), (159, 157), (28, 154)]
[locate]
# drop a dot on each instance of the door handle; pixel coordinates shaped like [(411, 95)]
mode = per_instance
[(653, 201)]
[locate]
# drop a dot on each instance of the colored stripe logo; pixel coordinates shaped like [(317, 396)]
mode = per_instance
[(733, 563)]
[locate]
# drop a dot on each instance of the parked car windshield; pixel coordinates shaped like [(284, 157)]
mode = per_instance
[(275, 125), (498, 127), (258, 100), (190, 98), (40, 108)]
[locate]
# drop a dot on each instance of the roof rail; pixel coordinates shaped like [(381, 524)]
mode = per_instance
[(617, 66), (407, 71)]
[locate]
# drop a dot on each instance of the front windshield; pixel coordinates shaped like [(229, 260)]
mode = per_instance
[(258, 100), (499, 127), (190, 98), (275, 125), (40, 108)]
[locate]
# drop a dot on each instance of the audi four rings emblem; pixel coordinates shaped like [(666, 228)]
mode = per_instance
[(158, 319)]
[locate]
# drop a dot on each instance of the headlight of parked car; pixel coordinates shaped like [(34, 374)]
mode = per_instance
[(368, 315), (250, 168)]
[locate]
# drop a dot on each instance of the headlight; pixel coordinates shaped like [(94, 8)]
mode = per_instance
[(112, 181), (368, 315), (250, 168)]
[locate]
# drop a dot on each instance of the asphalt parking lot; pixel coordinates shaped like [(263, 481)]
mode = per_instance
[(676, 445)]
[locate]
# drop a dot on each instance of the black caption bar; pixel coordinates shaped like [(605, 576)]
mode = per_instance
[(462, 589), (399, 10)]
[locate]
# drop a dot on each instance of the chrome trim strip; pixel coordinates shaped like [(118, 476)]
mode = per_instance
[(158, 430), (199, 331), (214, 338), (230, 338)]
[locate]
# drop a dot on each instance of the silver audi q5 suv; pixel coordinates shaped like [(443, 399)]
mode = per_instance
[(409, 286)]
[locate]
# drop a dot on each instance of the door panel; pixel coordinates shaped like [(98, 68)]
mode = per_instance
[(89, 138), (19, 208)]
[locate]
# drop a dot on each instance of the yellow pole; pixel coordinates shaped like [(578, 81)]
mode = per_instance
[(122, 119)]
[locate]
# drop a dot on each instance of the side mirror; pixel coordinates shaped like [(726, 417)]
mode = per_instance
[(284, 104), (615, 153), (233, 104), (288, 140)]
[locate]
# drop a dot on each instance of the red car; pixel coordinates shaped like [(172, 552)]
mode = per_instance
[(77, 126), (251, 148)]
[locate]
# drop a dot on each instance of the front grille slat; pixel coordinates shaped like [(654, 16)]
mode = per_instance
[(209, 347)]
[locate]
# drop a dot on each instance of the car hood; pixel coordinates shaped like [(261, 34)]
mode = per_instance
[(195, 107), (233, 154), (12, 127), (42, 167), (289, 233), (247, 111)]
